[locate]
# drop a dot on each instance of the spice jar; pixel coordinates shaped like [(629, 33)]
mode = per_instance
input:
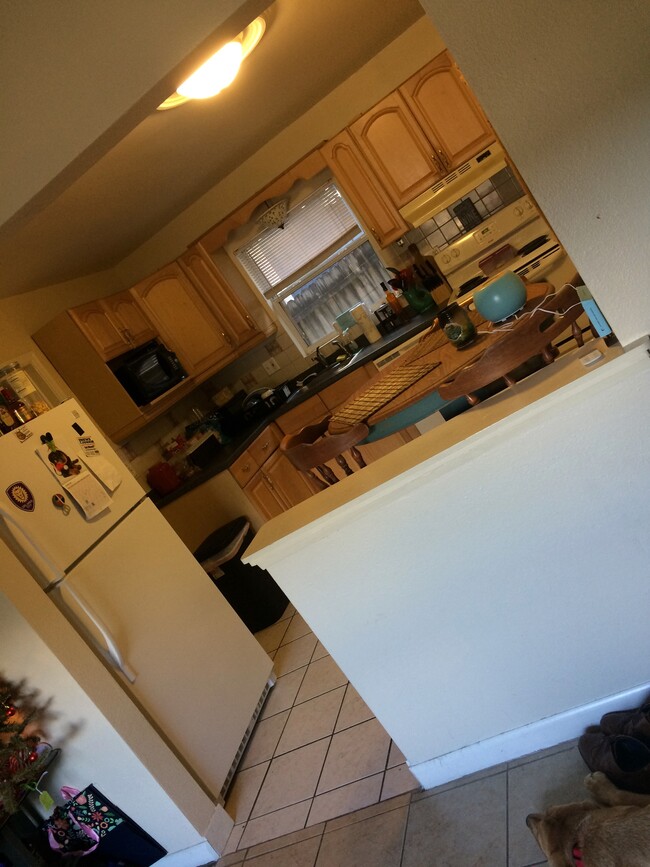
[(457, 326)]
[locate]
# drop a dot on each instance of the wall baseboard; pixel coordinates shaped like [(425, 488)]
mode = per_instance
[(522, 741)]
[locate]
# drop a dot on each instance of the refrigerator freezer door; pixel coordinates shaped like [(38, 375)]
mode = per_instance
[(199, 672), (54, 538)]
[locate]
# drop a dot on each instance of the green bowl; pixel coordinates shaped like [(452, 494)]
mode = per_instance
[(501, 298)]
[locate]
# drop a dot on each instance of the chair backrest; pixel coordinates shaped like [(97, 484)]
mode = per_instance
[(311, 447), (531, 335)]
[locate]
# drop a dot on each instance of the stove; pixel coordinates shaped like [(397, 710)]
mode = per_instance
[(516, 238)]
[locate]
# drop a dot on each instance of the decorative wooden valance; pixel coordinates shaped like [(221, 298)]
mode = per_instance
[(309, 166)]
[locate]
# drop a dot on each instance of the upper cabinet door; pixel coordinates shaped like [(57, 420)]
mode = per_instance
[(397, 149), (238, 325), (362, 189), (183, 320), (129, 318), (94, 321), (445, 108)]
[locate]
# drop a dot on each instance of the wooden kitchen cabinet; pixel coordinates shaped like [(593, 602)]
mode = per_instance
[(239, 328), (395, 146), (446, 110), (130, 318), (184, 321), (75, 357), (362, 189), (113, 325), (267, 478), (93, 319), (420, 132)]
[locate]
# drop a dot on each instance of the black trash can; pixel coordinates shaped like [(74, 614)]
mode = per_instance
[(250, 590)]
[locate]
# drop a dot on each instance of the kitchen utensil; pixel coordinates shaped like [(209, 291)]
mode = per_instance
[(501, 298)]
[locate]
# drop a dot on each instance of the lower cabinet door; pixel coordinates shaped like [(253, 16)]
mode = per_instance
[(278, 486), (263, 496), (289, 484)]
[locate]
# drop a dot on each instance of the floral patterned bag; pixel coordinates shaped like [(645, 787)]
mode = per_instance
[(78, 826)]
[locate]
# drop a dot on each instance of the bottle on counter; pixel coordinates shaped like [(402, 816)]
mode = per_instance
[(17, 407), (7, 420), (19, 381), (393, 301)]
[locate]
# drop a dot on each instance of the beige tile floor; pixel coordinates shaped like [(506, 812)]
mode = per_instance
[(322, 785), (317, 751)]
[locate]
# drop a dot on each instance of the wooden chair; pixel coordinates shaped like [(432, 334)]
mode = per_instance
[(311, 447), (530, 336)]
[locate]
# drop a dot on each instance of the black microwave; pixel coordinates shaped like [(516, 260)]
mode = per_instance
[(147, 371)]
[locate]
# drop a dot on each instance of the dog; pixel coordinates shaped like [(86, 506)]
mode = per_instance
[(614, 832)]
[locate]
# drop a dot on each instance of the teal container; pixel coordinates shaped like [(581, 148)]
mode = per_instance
[(418, 298), (501, 298)]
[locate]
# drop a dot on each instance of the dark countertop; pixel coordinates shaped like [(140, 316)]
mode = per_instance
[(229, 453)]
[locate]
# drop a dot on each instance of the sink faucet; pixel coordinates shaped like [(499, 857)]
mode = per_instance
[(319, 354), (343, 347)]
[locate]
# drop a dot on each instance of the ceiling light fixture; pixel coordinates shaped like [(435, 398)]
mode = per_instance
[(220, 70), (274, 217)]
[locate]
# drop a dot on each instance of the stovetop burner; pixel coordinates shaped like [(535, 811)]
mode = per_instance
[(539, 241)]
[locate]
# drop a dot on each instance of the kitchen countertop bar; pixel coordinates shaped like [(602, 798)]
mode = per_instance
[(232, 450)]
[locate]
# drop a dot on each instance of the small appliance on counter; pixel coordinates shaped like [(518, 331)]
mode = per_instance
[(163, 478)]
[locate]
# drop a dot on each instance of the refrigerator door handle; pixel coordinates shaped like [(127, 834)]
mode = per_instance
[(112, 649), (39, 558)]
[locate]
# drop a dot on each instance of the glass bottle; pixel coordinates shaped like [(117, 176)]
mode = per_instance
[(20, 382), (16, 406), (7, 419), (457, 326)]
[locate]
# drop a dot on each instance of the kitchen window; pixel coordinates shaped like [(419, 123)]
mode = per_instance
[(315, 268)]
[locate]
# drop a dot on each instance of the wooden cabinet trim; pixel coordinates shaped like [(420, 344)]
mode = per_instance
[(266, 444), (244, 468), (309, 166), (397, 149), (361, 187)]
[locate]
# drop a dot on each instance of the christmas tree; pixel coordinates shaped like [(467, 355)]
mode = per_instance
[(22, 754)]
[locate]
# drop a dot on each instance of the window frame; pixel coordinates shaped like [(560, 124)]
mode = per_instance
[(353, 239)]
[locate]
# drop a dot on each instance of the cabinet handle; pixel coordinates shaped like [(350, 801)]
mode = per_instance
[(246, 468), (443, 159), (266, 447), (375, 235), (249, 320), (268, 481), (226, 337), (437, 163)]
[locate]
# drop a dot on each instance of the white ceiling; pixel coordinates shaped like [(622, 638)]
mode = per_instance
[(173, 157)]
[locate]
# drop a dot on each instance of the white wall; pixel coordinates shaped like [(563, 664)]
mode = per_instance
[(567, 88)]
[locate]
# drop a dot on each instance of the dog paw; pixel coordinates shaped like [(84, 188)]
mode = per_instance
[(598, 784)]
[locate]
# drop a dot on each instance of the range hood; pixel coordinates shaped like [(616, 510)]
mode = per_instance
[(452, 187)]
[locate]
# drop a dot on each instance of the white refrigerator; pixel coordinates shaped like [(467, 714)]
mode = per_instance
[(85, 529)]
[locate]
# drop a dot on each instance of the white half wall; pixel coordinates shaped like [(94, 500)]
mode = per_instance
[(496, 584)]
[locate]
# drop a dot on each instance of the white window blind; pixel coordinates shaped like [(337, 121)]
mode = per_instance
[(313, 229)]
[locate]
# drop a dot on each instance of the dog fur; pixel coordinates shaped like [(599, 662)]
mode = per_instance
[(613, 832)]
